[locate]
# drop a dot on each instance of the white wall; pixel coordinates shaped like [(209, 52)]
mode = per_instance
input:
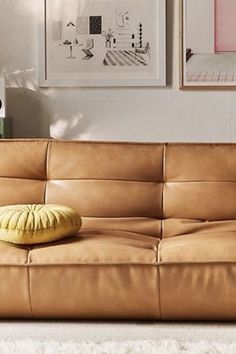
[(200, 17), (139, 114)]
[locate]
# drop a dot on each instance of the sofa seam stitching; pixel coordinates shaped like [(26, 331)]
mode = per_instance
[(157, 281), (159, 291), (28, 274), (163, 188), (148, 264), (84, 179), (158, 260), (37, 179), (111, 142), (158, 277), (46, 171)]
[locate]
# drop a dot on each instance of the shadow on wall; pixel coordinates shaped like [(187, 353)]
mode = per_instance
[(27, 104)]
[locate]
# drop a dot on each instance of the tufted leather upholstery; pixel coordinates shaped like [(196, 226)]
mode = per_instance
[(158, 237)]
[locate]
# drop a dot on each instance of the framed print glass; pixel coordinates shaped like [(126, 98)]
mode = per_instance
[(208, 45), (103, 43)]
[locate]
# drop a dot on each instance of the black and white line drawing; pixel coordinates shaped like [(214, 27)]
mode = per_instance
[(124, 40), (70, 45), (123, 58), (95, 24), (104, 40), (122, 19), (108, 37), (145, 50), (70, 24), (88, 48), (82, 25), (123, 46), (140, 33)]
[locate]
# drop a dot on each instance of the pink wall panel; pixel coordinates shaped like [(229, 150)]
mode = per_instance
[(225, 25)]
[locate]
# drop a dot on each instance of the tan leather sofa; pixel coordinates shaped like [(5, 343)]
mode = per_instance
[(158, 239)]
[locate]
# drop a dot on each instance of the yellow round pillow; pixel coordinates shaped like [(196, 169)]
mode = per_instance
[(37, 223)]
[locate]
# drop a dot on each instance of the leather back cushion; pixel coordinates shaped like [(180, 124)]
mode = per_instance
[(109, 182), (200, 182), (106, 180), (22, 171)]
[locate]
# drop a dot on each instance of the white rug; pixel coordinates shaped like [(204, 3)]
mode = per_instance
[(112, 347), (91, 337)]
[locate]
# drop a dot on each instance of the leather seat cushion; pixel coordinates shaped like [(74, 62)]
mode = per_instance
[(98, 274), (102, 274), (198, 270), (104, 246), (199, 247), (11, 254)]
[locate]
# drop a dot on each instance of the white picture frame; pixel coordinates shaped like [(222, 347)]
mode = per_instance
[(103, 43)]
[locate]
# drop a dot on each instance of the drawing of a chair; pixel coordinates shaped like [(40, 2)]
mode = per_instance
[(87, 49), (144, 50)]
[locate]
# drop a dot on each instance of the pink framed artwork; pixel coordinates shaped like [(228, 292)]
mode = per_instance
[(208, 44)]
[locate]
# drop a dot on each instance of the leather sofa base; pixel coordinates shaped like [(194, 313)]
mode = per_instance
[(203, 291), (198, 291), (112, 292)]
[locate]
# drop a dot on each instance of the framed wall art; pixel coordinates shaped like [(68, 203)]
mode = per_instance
[(208, 45), (103, 43)]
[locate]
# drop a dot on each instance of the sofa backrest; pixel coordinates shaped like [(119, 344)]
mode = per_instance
[(22, 171), (199, 188), (112, 185), (156, 189), (108, 180)]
